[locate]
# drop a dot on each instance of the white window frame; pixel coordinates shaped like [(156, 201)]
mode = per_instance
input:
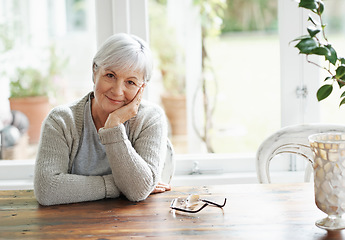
[(296, 73), (116, 16), (131, 16)]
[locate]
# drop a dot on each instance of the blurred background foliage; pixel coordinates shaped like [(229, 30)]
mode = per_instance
[(262, 15), (250, 15), (246, 15)]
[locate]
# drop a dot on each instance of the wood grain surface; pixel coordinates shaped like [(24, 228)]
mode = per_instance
[(253, 211)]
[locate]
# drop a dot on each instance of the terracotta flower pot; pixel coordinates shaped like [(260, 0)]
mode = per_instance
[(36, 109), (175, 109)]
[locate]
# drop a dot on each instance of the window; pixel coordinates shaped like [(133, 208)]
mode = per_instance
[(259, 73), (245, 65), (68, 25)]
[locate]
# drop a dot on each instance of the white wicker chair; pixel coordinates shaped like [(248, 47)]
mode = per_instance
[(291, 139), (169, 164)]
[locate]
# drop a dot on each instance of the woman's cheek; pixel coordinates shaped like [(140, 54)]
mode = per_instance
[(131, 96)]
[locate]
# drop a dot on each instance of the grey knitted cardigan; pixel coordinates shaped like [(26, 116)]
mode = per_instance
[(135, 152)]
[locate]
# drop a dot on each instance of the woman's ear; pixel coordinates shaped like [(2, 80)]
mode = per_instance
[(94, 71)]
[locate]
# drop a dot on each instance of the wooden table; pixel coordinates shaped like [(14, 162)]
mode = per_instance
[(253, 211)]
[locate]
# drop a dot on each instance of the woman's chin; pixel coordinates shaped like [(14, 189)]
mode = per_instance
[(112, 108)]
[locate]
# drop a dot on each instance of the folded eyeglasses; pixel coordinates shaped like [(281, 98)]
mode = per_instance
[(193, 204)]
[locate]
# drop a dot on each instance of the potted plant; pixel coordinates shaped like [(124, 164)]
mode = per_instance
[(173, 98), (170, 62), (316, 43), (172, 66), (31, 89)]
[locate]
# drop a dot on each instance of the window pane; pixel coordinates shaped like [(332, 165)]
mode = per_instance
[(246, 66), (168, 81), (248, 110), (66, 26), (246, 62), (46, 49)]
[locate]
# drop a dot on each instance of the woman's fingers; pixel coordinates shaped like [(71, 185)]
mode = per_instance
[(161, 187), (139, 94), (167, 187)]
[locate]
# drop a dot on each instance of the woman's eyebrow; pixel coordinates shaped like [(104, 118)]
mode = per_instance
[(133, 77), (109, 70), (130, 77)]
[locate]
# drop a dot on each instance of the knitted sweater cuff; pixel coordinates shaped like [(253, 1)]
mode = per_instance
[(112, 135), (111, 190)]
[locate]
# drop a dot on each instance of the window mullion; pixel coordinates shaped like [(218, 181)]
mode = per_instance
[(296, 73)]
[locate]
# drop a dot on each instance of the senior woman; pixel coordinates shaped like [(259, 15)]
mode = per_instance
[(110, 142)]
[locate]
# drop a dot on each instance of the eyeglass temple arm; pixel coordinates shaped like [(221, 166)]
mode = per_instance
[(186, 210), (213, 203), (198, 210)]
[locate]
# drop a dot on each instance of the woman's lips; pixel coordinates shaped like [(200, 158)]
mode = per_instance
[(114, 101)]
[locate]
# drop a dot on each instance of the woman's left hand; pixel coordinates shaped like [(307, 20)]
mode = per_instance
[(126, 112), (161, 187)]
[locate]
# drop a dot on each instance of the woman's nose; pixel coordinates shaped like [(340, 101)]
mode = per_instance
[(118, 87)]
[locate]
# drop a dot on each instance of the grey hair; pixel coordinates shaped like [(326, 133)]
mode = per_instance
[(122, 52)]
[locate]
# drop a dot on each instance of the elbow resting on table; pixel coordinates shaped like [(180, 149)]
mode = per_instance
[(45, 197), (137, 197), (41, 199)]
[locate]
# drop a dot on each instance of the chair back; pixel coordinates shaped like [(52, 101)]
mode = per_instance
[(291, 139), (169, 164)]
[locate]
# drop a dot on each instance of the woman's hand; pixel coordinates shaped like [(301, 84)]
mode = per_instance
[(126, 112), (161, 187)]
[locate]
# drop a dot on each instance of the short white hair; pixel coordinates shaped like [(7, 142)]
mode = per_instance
[(122, 52)]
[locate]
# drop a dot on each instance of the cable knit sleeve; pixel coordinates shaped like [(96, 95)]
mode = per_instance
[(53, 183), (135, 154)]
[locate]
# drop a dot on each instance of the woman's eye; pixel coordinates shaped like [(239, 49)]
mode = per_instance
[(110, 75), (131, 84)]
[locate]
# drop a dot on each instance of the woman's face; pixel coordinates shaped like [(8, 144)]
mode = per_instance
[(114, 89)]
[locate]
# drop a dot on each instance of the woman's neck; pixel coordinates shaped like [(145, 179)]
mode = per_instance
[(98, 118)]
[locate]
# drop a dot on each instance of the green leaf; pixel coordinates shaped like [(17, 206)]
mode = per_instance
[(313, 31), (342, 95), (324, 92), (321, 7), (322, 51), (309, 4), (333, 57), (301, 38), (342, 60), (312, 20), (340, 82), (307, 45), (342, 102), (340, 72)]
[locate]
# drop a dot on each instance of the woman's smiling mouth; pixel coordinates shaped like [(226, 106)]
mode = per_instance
[(114, 101)]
